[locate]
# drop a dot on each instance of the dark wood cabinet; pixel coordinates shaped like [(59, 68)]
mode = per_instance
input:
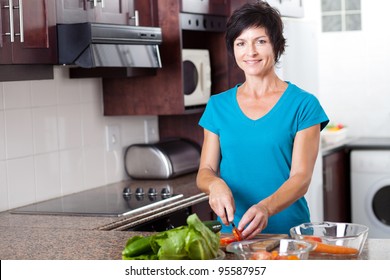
[(102, 11), (203, 211), (29, 32), (336, 187), (177, 218)]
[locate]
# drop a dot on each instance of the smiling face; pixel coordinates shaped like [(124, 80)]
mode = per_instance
[(254, 53)]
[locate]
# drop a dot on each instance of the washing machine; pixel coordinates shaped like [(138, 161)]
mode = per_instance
[(370, 191)]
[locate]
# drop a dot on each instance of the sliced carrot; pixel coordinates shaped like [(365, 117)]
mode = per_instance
[(312, 238), (334, 249)]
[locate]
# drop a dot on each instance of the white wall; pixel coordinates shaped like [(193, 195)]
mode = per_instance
[(354, 83), (52, 139)]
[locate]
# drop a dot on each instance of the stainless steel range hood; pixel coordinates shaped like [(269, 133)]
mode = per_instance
[(90, 45)]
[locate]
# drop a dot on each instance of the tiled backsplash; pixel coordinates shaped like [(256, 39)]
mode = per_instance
[(53, 141)]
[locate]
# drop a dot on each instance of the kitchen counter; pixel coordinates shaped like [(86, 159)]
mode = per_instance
[(51, 237), (355, 143), (34, 243)]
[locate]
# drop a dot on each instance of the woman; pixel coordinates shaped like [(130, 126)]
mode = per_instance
[(261, 137)]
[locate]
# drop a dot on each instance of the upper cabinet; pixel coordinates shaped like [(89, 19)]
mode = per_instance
[(28, 32), (206, 7), (101, 11)]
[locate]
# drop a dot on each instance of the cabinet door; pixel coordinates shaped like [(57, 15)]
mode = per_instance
[(112, 11), (38, 25), (336, 187), (73, 11), (210, 7), (5, 41), (204, 211)]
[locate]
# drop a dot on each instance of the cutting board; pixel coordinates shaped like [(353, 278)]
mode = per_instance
[(265, 241)]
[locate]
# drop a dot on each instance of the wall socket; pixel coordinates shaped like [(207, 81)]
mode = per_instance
[(113, 137)]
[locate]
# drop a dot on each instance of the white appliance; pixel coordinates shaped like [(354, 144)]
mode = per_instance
[(370, 191), (196, 76), (299, 65)]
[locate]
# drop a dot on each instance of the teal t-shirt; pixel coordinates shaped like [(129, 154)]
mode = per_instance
[(256, 154)]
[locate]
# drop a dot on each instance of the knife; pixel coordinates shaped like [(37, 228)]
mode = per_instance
[(236, 233)]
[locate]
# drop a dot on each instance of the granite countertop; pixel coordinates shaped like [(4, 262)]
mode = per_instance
[(51, 237), (31, 243)]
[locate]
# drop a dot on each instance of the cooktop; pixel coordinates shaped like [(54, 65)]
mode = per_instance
[(111, 200)]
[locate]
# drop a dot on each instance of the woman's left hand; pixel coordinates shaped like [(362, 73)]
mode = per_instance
[(256, 219)]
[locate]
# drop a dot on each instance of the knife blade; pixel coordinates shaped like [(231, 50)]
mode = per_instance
[(236, 233)]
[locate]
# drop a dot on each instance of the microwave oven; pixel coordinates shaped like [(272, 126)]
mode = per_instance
[(196, 77)]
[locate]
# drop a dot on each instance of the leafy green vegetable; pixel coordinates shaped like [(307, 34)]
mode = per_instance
[(195, 241), (170, 245), (137, 246)]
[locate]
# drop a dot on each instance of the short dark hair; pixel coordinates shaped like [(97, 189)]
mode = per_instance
[(259, 14)]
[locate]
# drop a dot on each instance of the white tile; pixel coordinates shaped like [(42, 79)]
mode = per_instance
[(3, 187), (17, 94), (93, 125), (68, 89), (47, 173), (115, 169), (2, 136), (94, 167), (71, 171), (1, 97), (21, 181), (69, 126), (45, 129), (91, 91), (44, 93), (132, 127), (19, 137)]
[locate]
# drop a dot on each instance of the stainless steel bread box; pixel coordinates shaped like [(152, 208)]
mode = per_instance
[(162, 160)]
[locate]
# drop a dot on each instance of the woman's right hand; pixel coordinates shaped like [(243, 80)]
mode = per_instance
[(221, 198)]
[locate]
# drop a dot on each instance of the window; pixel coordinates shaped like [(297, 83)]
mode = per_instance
[(341, 15)]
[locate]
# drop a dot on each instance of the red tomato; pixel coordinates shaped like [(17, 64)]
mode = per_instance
[(237, 234), (262, 255), (223, 241)]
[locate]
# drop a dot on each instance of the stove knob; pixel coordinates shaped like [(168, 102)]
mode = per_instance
[(126, 192), (152, 192), (165, 192), (139, 191)]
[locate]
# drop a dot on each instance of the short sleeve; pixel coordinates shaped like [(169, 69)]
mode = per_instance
[(207, 120), (312, 113)]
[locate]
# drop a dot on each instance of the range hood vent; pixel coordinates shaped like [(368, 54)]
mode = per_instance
[(90, 45)]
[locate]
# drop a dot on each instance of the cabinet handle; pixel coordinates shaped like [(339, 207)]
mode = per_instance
[(21, 23), (136, 18), (11, 32), (95, 2)]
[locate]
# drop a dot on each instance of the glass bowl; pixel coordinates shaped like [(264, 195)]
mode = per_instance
[(332, 238), (287, 249), (220, 255)]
